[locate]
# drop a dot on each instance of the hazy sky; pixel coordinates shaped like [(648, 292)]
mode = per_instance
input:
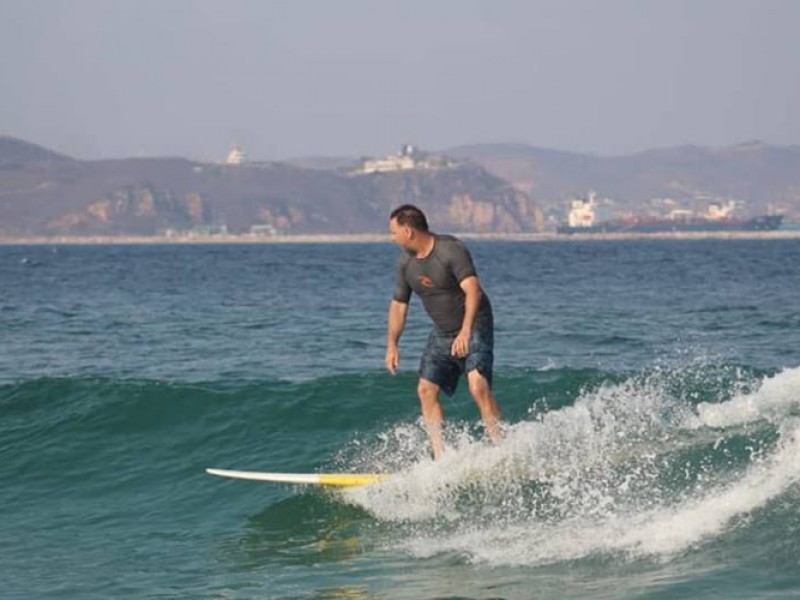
[(111, 78)]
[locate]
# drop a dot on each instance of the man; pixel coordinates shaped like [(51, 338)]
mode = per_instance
[(439, 269)]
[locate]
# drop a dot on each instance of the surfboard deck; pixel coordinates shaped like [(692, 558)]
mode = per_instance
[(322, 479)]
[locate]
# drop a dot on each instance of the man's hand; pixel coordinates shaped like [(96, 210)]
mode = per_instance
[(397, 321), (460, 347), (392, 359), (472, 299)]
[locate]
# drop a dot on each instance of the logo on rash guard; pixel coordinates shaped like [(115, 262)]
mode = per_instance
[(425, 281)]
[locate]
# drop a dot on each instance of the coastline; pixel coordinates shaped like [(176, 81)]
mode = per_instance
[(372, 238)]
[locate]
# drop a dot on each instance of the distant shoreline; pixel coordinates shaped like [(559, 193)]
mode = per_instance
[(371, 238)]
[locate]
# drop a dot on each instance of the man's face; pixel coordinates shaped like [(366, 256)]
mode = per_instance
[(401, 234)]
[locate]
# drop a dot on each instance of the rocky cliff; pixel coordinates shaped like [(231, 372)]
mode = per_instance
[(43, 193), (493, 189)]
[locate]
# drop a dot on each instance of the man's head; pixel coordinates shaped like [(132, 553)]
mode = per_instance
[(409, 215), (408, 226)]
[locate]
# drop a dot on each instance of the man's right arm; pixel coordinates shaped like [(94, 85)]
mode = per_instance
[(397, 322)]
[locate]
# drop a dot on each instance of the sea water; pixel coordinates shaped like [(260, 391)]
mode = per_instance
[(650, 392)]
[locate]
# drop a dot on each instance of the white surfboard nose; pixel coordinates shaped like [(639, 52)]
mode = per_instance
[(324, 479)]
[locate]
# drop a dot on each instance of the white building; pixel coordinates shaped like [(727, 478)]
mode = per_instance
[(236, 156), (407, 159)]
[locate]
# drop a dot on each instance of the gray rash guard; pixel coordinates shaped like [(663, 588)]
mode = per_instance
[(436, 280)]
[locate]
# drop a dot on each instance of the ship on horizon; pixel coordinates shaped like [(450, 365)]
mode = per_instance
[(718, 217)]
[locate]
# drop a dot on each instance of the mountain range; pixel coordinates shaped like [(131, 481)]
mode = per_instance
[(491, 188)]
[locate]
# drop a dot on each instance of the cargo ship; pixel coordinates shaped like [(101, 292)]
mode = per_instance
[(718, 217)]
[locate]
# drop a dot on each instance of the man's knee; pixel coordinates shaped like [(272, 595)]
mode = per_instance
[(427, 390), (479, 387)]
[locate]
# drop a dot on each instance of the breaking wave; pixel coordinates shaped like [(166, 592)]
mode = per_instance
[(644, 467)]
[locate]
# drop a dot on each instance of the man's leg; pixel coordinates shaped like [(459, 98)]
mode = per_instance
[(432, 414), (481, 391)]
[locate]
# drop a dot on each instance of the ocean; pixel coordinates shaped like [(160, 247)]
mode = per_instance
[(650, 392)]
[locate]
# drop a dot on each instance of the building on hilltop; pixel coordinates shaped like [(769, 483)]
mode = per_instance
[(236, 156), (409, 158)]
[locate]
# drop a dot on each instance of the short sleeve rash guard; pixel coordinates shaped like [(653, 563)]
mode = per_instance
[(436, 280)]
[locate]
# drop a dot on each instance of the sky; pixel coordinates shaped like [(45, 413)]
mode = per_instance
[(120, 78)]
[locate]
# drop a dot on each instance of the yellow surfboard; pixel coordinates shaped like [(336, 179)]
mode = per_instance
[(323, 479)]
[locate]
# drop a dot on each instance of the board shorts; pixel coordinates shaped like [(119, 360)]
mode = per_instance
[(439, 366)]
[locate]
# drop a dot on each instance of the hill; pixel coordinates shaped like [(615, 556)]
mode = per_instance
[(18, 153), (761, 177), (491, 188), (54, 195)]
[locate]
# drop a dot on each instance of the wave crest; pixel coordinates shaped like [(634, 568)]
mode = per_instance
[(630, 467)]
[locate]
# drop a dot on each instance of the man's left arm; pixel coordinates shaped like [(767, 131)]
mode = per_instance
[(471, 287)]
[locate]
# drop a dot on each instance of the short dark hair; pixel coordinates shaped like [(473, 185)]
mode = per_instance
[(410, 215)]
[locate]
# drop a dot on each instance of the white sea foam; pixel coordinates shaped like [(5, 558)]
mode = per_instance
[(776, 397), (603, 427), (661, 532), (588, 479)]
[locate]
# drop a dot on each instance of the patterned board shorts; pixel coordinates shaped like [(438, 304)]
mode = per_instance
[(439, 366)]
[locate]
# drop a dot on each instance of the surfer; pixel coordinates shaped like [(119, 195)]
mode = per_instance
[(439, 269)]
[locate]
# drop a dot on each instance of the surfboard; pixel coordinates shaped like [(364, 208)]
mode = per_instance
[(323, 479)]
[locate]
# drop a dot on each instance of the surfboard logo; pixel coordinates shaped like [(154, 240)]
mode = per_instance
[(425, 281)]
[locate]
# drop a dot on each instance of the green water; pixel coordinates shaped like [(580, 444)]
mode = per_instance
[(650, 392)]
